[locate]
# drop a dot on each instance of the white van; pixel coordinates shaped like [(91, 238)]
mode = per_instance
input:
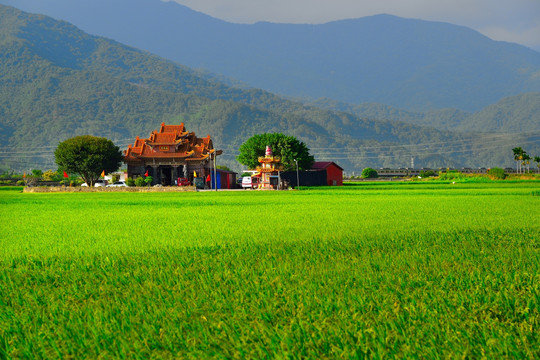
[(250, 182)]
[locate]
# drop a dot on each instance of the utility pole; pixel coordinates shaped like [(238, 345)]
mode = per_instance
[(297, 175), (215, 169)]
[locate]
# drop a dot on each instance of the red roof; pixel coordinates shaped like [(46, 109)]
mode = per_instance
[(178, 129), (163, 138), (321, 165)]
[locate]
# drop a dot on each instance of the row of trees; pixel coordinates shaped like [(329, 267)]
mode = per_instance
[(523, 159), (89, 156)]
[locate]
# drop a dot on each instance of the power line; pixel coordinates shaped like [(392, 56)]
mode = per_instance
[(477, 146), (359, 156), (461, 142), (44, 155), (471, 141), (449, 148)]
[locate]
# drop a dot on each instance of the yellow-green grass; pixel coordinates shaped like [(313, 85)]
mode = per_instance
[(377, 270)]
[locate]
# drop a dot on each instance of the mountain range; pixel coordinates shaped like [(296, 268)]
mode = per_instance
[(58, 81), (405, 63), (513, 114)]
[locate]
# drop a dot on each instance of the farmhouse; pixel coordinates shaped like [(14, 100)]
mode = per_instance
[(334, 172), (321, 174), (169, 154)]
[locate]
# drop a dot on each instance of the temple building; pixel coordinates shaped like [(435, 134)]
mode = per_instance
[(169, 154)]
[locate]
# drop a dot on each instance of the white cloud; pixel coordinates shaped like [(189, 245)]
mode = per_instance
[(515, 20)]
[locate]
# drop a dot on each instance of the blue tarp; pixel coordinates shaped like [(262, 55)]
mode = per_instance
[(213, 184)]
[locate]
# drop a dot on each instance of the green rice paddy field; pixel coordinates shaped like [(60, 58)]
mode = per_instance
[(377, 270)]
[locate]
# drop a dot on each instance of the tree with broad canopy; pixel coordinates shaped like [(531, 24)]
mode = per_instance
[(287, 147), (88, 156)]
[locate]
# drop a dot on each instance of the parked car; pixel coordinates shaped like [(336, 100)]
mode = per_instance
[(250, 182), (183, 182), (119, 183), (98, 183)]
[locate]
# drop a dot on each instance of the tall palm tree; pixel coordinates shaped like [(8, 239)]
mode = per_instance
[(518, 156), (537, 161), (526, 159)]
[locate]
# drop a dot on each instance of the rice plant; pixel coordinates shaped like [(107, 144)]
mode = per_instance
[(421, 270)]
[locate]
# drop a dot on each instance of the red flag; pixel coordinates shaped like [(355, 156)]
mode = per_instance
[(103, 173), (65, 174), (146, 173)]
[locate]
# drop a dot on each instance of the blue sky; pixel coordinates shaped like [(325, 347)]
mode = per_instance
[(508, 20)]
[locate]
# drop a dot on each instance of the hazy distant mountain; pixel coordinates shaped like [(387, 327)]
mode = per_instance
[(514, 114), (443, 119), (405, 63)]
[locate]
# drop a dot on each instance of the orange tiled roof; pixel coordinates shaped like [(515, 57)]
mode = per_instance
[(179, 129), (172, 141), (164, 138)]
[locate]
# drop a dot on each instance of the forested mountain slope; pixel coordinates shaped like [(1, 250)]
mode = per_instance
[(520, 113), (406, 63), (514, 114), (58, 81)]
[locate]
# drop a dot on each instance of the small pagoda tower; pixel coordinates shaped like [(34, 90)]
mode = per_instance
[(270, 167)]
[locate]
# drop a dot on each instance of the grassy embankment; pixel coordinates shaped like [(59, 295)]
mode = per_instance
[(384, 270)]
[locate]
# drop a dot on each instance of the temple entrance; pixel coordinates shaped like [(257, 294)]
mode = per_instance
[(166, 176)]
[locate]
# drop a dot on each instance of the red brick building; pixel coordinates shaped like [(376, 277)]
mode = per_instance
[(170, 153)]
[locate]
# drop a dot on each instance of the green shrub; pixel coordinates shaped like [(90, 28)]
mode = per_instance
[(148, 180), (130, 182), (49, 175), (20, 182), (451, 175), (497, 173), (37, 173), (369, 173), (140, 181), (427, 173)]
